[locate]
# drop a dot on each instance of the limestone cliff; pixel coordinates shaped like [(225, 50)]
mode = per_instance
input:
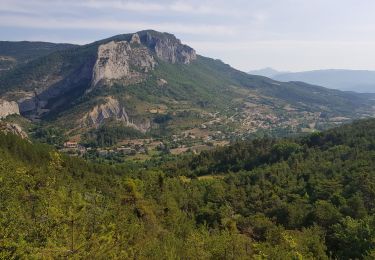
[(119, 60), (112, 109), (129, 60), (54, 83), (8, 108), (167, 47)]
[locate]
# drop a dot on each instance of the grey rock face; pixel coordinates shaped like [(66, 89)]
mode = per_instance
[(13, 129), (135, 39), (161, 82), (127, 58), (168, 48), (8, 108), (118, 60), (112, 109)]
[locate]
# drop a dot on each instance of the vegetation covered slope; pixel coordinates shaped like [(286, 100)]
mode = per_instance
[(15, 53), (56, 89), (277, 199)]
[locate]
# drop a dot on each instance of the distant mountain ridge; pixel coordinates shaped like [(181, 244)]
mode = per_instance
[(362, 81), (266, 72), (15, 53), (151, 82)]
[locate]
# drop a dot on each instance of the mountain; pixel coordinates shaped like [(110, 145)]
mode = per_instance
[(306, 198), (266, 72), (152, 83), (15, 53), (347, 80)]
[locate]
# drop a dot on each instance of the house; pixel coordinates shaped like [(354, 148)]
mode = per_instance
[(70, 144)]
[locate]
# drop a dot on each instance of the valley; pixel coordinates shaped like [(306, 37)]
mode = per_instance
[(150, 86), (132, 129)]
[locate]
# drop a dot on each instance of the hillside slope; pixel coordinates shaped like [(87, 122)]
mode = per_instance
[(281, 199), (151, 82), (15, 53)]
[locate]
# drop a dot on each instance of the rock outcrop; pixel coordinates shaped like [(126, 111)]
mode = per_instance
[(161, 82), (13, 128), (8, 108), (135, 39), (167, 47), (119, 60), (125, 59), (128, 60), (112, 109)]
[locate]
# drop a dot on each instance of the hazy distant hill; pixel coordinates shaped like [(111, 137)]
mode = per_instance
[(266, 72), (348, 80)]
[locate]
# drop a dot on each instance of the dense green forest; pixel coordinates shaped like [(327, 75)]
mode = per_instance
[(305, 198)]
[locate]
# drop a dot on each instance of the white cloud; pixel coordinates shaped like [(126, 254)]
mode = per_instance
[(113, 25), (123, 5), (288, 34), (166, 6), (151, 7)]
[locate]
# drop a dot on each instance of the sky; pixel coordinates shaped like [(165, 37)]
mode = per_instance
[(288, 35)]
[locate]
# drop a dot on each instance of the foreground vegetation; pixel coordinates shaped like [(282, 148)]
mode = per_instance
[(304, 198)]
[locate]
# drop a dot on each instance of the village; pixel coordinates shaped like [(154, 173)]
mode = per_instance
[(256, 117), (216, 130)]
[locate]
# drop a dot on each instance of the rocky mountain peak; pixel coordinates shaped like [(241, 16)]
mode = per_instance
[(167, 47), (128, 57)]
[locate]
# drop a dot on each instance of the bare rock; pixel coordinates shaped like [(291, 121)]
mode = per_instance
[(168, 48), (118, 60), (135, 39), (161, 82), (129, 60), (13, 128), (110, 109), (8, 108)]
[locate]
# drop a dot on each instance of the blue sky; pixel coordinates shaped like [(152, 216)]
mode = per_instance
[(284, 34)]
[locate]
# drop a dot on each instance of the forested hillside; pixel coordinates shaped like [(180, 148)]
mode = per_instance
[(306, 198), (142, 77), (16, 53)]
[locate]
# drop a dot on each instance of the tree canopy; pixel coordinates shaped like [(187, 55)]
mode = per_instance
[(303, 198)]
